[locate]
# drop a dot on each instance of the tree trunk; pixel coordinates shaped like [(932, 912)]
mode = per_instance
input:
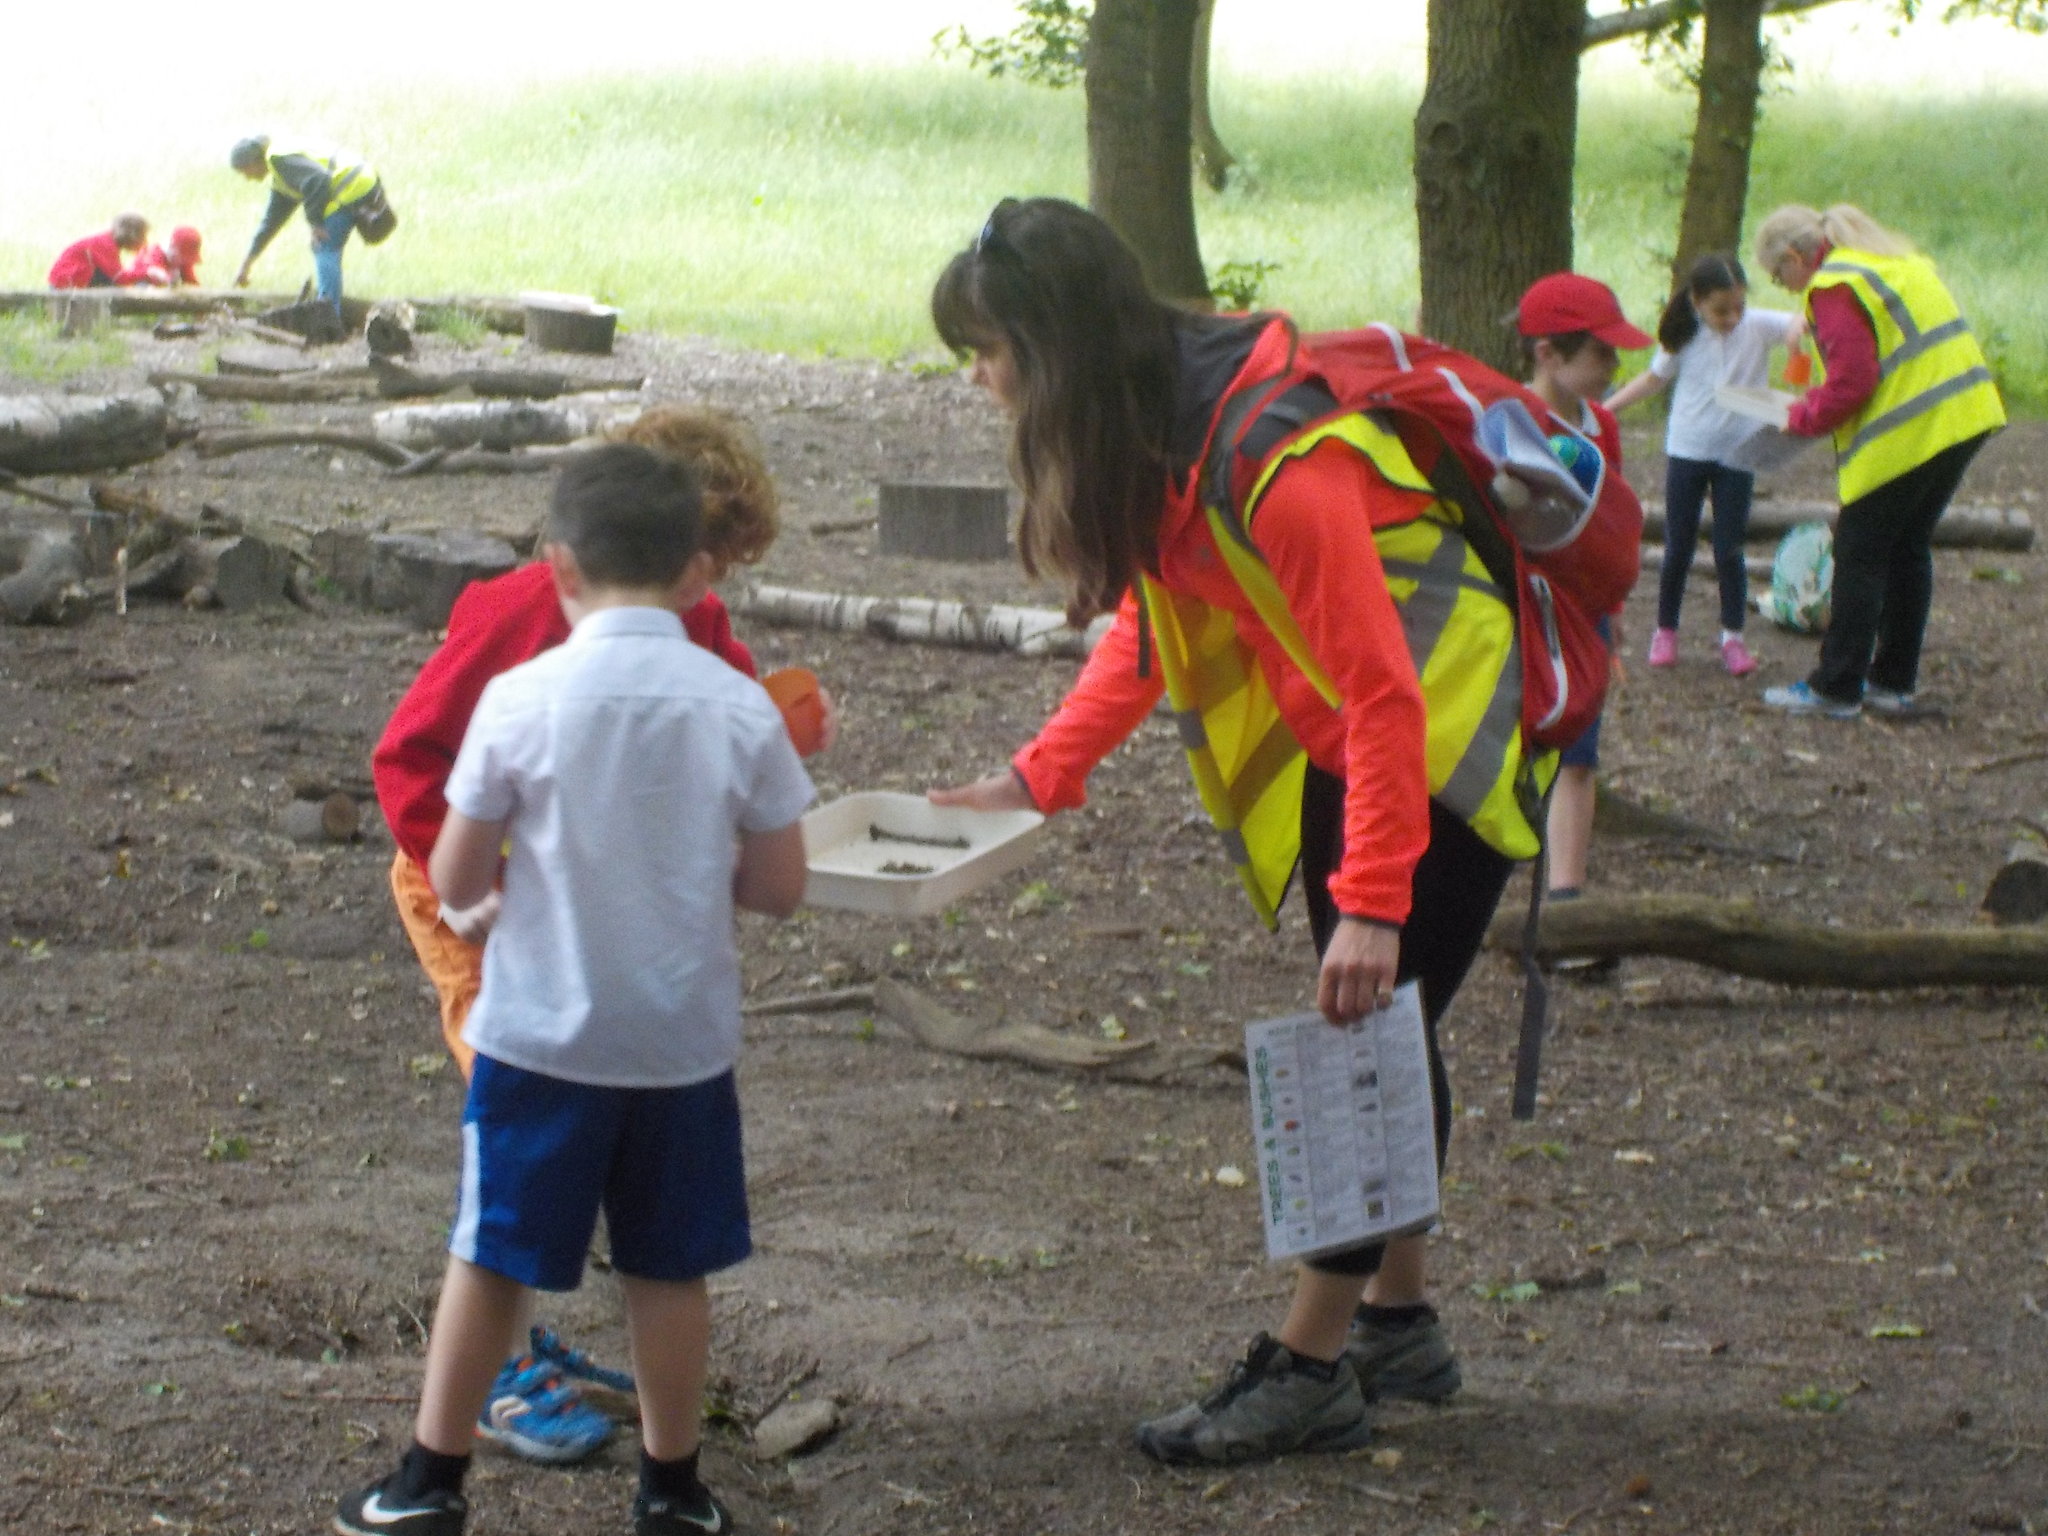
[(1717, 176), (1494, 144), (1212, 155), (1140, 160)]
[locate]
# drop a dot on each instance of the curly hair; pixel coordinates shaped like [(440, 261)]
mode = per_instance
[(741, 506)]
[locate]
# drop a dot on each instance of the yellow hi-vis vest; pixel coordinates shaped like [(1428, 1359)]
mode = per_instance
[(1248, 767), (347, 181), (1934, 389)]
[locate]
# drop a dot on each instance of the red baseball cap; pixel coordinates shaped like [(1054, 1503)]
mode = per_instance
[(1565, 302), (185, 238)]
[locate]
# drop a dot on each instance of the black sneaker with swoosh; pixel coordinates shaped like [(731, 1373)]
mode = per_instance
[(381, 1510), (701, 1516)]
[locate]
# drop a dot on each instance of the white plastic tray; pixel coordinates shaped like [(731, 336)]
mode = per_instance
[(1768, 406), (899, 854)]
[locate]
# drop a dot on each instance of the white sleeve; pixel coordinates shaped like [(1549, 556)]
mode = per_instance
[(479, 785), (1664, 365), (778, 790)]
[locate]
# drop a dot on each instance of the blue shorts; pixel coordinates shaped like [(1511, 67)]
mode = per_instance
[(1585, 752), (540, 1156)]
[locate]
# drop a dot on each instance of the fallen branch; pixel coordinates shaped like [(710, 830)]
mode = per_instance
[(12, 483), (939, 1029), (1733, 936), (1615, 815), (483, 461), (811, 1002), (312, 389), (217, 445), (929, 621)]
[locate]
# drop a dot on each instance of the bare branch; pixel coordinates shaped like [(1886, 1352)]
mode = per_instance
[(1639, 20)]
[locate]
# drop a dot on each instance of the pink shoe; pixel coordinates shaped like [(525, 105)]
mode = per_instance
[(1736, 658), (1664, 648)]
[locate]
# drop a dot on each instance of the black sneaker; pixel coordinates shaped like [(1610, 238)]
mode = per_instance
[(1413, 1362), (1270, 1405), (701, 1516), (381, 1510)]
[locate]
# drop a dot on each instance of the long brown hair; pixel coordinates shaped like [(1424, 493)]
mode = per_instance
[(1095, 361)]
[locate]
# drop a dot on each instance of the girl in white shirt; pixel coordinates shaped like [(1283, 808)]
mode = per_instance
[(1708, 337)]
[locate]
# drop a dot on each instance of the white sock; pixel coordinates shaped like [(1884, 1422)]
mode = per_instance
[(1730, 634)]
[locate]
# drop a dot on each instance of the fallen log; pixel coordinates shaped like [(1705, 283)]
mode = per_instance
[(67, 434), (1734, 936), (395, 381), (303, 390), (13, 486), (1615, 815), (499, 424), (483, 461), (929, 621), (238, 572), (215, 445), (1963, 526)]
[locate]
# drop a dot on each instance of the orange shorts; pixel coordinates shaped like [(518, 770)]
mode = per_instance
[(455, 966)]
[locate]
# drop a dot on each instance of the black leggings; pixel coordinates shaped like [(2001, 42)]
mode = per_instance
[(1458, 882)]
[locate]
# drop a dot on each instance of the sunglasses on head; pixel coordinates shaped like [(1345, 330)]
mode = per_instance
[(991, 238)]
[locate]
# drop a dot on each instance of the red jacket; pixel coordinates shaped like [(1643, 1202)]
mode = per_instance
[(1314, 528), (83, 261), (495, 626), (1848, 349), (159, 267)]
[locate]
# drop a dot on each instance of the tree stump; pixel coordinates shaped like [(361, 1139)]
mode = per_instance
[(237, 573), (2018, 893), (81, 311), (943, 522), (421, 575)]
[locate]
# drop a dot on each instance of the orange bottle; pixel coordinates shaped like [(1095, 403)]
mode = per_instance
[(1798, 367)]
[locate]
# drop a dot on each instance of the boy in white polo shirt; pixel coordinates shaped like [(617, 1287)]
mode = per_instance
[(646, 789)]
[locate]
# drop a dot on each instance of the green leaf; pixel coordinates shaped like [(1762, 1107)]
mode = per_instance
[(15, 1143), (1812, 1399), (1898, 1331)]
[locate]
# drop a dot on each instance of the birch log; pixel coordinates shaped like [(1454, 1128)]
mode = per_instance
[(924, 620), (498, 424), (1969, 525)]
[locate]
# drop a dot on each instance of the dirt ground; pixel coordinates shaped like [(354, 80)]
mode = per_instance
[(1769, 1260)]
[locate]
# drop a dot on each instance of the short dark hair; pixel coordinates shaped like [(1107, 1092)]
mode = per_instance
[(1566, 344), (249, 152), (630, 516)]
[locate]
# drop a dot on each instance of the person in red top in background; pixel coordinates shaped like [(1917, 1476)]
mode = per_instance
[(95, 261), (159, 267), (1571, 327), (537, 1408), (1115, 396)]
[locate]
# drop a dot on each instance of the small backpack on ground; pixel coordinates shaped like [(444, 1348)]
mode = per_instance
[(1802, 588), (1562, 540)]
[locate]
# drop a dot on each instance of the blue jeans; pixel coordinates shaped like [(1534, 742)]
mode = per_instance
[(337, 227), (1686, 485)]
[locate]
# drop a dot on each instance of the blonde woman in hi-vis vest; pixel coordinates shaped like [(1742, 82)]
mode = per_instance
[(1909, 400), (1290, 629)]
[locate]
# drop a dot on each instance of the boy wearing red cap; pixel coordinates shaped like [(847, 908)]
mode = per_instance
[(1572, 332), (159, 267)]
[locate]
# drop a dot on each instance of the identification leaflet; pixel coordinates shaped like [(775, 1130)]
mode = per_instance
[(1344, 1128)]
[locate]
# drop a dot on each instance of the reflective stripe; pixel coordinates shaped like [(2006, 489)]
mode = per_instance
[(1234, 847), (1920, 404), (1893, 301), (1193, 734), (1926, 341), (1479, 770), (1427, 613)]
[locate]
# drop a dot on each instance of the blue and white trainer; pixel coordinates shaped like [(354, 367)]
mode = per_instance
[(1800, 699), (538, 1416), (1887, 701), (550, 1349)]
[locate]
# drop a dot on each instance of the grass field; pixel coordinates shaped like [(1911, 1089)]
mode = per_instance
[(806, 209)]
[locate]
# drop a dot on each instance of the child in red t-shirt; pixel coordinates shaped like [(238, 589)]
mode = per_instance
[(95, 261), (535, 1410), (175, 266)]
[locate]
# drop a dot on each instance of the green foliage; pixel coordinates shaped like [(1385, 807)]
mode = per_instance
[(806, 209), (1048, 46), (461, 326), (1241, 284)]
